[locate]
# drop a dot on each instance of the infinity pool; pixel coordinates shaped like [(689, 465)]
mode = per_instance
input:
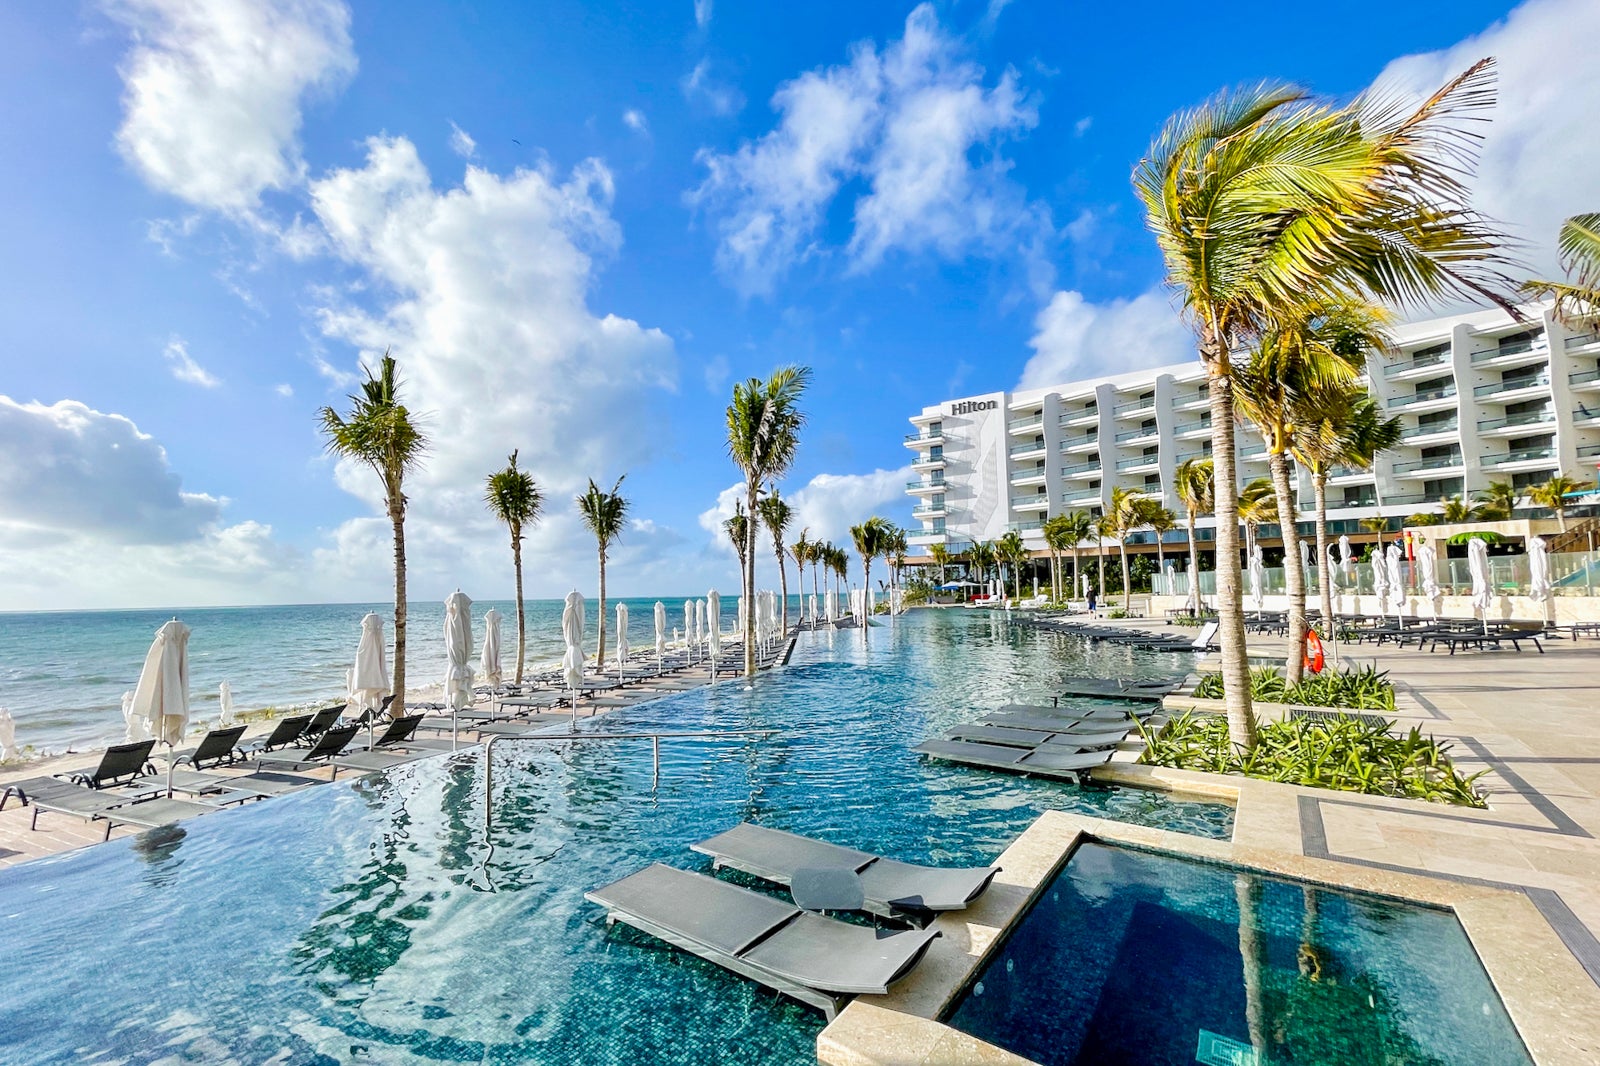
[(373, 922)]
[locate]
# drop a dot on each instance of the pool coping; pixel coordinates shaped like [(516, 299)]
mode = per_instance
[(1549, 997)]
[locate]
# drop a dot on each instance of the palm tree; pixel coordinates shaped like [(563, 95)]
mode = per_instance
[(380, 432), (776, 514), (1579, 242), (1077, 528), (894, 553), (869, 538), (1160, 521), (1378, 525), (1258, 504), (941, 558), (1499, 500), (764, 423), (1104, 526), (1456, 510), (1010, 550), (839, 563), (800, 551), (1056, 531), (1553, 495), (604, 513), (515, 500), (738, 528), (981, 557), (1422, 518), (1127, 514), (1264, 200), (1194, 483)]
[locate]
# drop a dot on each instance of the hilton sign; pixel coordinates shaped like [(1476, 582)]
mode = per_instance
[(967, 407)]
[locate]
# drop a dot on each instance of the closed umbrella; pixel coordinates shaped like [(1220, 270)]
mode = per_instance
[(714, 612), (1539, 572), (1258, 577), (8, 736), (813, 610), (1478, 568), (1428, 563), (458, 655), (225, 705), (1397, 584), (369, 683), (1171, 577), (661, 636), (688, 626), (1380, 582), (572, 633), (133, 727), (1347, 559), (622, 639), (161, 698), (738, 610), (489, 662), (699, 621), (1305, 556)]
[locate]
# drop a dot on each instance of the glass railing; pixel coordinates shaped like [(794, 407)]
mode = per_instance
[(929, 509), (927, 461), (1521, 347), (1259, 451), (1191, 398), (1080, 468), (1526, 418), (1040, 500), (1520, 455), (1135, 406), (1017, 425), (1494, 388), (1020, 476), (1588, 451), (1137, 461), (1423, 396), (1348, 471), (1135, 434), (1068, 417), (1583, 377), (1025, 527), (1024, 449), (1416, 363), (1449, 425), (936, 483), (1583, 415), (1081, 499), (1435, 462), (1186, 456), (1190, 427), (1079, 442), (937, 435), (1583, 339)]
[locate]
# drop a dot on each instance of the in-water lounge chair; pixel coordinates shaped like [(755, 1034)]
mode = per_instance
[(817, 960), (891, 888)]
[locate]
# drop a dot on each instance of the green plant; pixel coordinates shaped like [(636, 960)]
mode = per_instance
[(1364, 689), (1118, 613), (1344, 754)]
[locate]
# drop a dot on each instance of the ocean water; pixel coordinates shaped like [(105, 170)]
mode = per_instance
[(383, 920), (63, 673)]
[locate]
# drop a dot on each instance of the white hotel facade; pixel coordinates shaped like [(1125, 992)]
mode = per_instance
[(1481, 396)]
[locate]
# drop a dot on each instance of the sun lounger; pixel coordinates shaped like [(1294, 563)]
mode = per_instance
[(1058, 763), (817, 960), (286, 732), (322, 721), (265, 783), (119, 764), (218, 747), (321, 753), (890, 888), (1032, 738), (114, 808)]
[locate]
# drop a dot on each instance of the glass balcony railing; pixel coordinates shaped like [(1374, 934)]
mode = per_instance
[(1191, 427), (935, 435), (1519, 455), (1017, 425), (1422, 396), (1416, 362), (1583, 340), (1252, 452), (1135, 406), (1079, 468), (1040, 500), (1079, 442), (1137, 461), (1526, 418), (1186, 456), (1082, 414), (1135, 434), (1435, 462), (1517, 347), (936, 483), (1024, 449), (1025, 527), (1588, 451), (1583, 377), (925, 462), (1348, 471), (1428, 429), (1494, 388), (929, 510), (1019, 477)]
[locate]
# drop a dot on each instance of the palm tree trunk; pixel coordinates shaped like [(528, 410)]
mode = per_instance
[(748, 580), (1073, 591), (1319, 486), (783, 582), (397, 519), (1127, 585), (522, 639), (600, 654), (1100, 564), (1230, 607), (1294, 573), (1194, 564), (866, 591)]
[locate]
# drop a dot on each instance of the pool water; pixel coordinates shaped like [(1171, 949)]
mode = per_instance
[(373, 922), (1147, 960)]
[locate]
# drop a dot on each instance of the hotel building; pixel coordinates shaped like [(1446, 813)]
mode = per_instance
[(1481, 397)]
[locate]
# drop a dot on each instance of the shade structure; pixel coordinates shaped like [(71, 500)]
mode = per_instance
[(1083, 586), (1305, 556), (369, 682), (1428, 563), (572, 622), (161, 697), (1258, 577), (622, 636), (1397, 584), (738, 609), (489, 661), (133, 727), (8, 736), (458, 650), (1380, 581), (661, 632), (1538, 570), (714, 613), (224, 705), (1478, 570)]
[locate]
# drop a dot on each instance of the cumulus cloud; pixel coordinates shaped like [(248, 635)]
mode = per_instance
[(184, 368), (1075, 339), (825, 507), (702, 13), (703, 89), (212, 92), (285, 390), (915, 123), (634, 119), (1539, 153), (481, 292), (461, 142)]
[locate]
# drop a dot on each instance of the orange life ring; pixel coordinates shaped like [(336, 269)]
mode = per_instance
[(1313, 657)]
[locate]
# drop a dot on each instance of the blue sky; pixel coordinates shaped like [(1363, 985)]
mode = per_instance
[(576, 230)]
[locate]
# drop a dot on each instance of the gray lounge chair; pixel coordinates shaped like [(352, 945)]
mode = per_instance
[(330, 744), (114, 808), (817, 960), (890, 888), (1031, 738), (1042, 761), (119, 764), (219, 746), (286, 732)]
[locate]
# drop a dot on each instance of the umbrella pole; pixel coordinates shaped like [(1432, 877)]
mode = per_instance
[(172, 760), (454, 726)]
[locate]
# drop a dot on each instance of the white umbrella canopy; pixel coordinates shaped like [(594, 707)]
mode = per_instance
[(1258, 577), (133, 727), (369, 683), (1305, 556), (622, 636), (489, 662), (1397, 584), (1347, 558), (1428, 563), (699, 621), (1380, 582), (225, 705), (661, 631), (8, 736), (1478, 569), (813, 608), (572, 622), (1538, 570), (161, 698), (1170, 575), (714, 613), (738, 610), (688, 623), (458, 649)]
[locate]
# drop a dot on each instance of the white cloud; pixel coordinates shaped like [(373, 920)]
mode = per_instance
[(914, 122), (1080, 127), (1539, 153), (702, 13), (826, 506), (704, 90), (212, 92), (716, 374), (285, 390), (634, 119), (461, 142), (184, 368), (486, 311), (1075, 339)]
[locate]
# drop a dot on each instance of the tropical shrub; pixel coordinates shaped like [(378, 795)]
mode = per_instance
[(1344, 754), (1365, 689)]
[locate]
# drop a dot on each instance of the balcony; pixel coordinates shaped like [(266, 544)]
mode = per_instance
[(1501, 427), (1138, 462), (935, 485), (1584, 380), (928, 462), (929, 510), (1079, 418), (1415, 363), (1081, 444), (1191, 401), (1339, 473), (1026, 424), (1134, 407), (1198, 428), (1028, 477), (1142, 433), (1583, 340), (1034, 448), (1513, 353), (1536, 456), (1086, 499), (1082, 471), (1256, 453), (925, 536), (925, 439), (1419, 468), (1431, 429), (1038, 502), (1025, 527), (1422, 398), (1588, 451), (1585, 418), (1508, 390), (1184, 457)]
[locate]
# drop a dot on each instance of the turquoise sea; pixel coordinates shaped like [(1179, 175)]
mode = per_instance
[(63, 673)]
